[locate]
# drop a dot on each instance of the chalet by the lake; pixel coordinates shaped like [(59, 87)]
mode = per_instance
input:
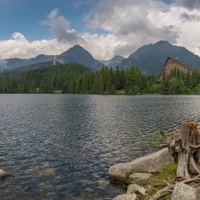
[(172, 63)]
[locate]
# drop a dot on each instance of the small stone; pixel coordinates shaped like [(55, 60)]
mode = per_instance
[(103, 184), (44, 170), (133, 188), (45, 186), (126, 197), (49, 171), (2, 159), (3, 174), (140, 176)]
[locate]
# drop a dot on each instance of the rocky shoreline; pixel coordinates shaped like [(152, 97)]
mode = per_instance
[(137, 172), (147, 167)]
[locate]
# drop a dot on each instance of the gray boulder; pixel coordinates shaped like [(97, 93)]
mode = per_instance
[(182, 191), (126, 197), (151, 163)]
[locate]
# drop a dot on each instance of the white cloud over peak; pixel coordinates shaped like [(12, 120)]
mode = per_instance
[(135, 23), (118, 28)]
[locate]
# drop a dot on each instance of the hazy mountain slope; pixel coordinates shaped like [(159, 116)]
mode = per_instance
[(40, 58), (115, 61), (18, 62), (13, 63)]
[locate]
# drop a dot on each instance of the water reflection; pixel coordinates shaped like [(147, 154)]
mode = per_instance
[(61, 146)]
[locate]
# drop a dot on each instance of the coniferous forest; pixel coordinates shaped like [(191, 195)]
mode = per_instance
[(78, 79)]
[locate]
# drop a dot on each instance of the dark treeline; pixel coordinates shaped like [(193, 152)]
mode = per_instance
[(78, 79), (114, 81), (42, 80)]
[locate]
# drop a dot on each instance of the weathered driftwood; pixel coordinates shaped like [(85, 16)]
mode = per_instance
[(185, 149)]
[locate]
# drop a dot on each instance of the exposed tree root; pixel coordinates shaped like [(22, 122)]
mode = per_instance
[(169, 188)]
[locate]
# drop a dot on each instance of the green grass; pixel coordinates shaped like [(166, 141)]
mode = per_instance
[(120, 92), (157, 181), (154, 141)]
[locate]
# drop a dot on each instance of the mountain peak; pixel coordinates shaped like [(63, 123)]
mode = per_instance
[(151, 58), (163, 43), (77, 46), (140, 51), (117, 58), (77, 54)]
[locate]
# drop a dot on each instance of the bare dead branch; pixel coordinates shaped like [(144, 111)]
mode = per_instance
[(164, 135), (169, 188), (195, 146), (161, 193), (163, 145)]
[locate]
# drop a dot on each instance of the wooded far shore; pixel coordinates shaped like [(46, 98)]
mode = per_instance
[(78, 79)]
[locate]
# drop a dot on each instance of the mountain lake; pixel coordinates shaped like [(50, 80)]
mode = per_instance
[(60, 146)]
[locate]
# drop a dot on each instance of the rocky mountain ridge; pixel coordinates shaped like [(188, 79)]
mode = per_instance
[(149, 58)]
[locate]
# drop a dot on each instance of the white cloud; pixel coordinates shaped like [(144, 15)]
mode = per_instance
[(60, 27), (18, 37), (101, 46), (119, 28), (19, 46), (189, 4)]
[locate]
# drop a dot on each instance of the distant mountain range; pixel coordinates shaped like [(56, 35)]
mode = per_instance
[(116, 60), (149, 58), (75, 54)]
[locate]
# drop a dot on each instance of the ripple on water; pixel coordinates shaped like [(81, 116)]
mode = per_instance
[(61, 146)]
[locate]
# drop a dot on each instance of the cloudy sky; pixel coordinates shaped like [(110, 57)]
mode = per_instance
[(103, 27)]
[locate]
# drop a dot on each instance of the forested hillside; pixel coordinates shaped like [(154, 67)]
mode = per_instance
[(78, 79), (42, 80)]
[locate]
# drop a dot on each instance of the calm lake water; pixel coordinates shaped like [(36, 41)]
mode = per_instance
[(61, 146)]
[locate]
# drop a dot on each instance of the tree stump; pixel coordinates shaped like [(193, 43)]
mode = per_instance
[(185, 149)]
